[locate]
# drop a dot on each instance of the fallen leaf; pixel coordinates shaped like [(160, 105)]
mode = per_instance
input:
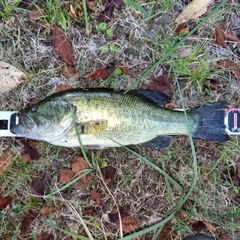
[(5, 160), (46, 211), (129, 224), (109, 173), (33, 101), (30, 149), (193, 10), (210, 226), (10, 77), (79, 164), (34, 15), (63, 87), (71, 12), (41, 185), (230, 65), (229, 36), (26, 158), (65, 175), (107, 13), (89, 212), (182, 215), (61, 46), (101, 73), (181, 28), (198, 226), (4, 201), (167, 233), (46, 236), (162, 84), (170, 105), (238, 171), (114, 216), (224, 237), (27, 221), (220, 36), (95, 195), (70, 71)]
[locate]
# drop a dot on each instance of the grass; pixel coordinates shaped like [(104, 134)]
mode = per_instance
[(192, 176)]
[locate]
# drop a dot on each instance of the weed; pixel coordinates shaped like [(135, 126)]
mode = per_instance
[(54, 14), (6, 8)]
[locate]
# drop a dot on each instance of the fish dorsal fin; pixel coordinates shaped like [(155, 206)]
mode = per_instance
[(160, 142), (153, 95), (93, 127)]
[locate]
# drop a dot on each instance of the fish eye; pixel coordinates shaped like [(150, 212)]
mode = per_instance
[(34, 108)]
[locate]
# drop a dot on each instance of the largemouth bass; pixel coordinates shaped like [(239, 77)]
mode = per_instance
[(107, 118)]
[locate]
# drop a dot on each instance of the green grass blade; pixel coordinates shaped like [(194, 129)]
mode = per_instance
[(75, 235), (148, 229), (86, 171), (174, 48), (137, 7)]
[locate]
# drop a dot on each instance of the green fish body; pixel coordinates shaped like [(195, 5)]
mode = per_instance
[(107, 118)]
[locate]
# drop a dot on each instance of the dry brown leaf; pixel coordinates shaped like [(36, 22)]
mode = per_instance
[(230, 65), (129, 224), (79, 164), (27, 221), (89, 212), (71, 12), (170, 105), (30, 149), (182, 215), (181, 28), (198, 226), (162, 84), (41, 185), (114, 216), (109, 173), (26, 158), (95, 195), (70, 71), (101, 73), (107, 13), (238, 171), (5, 160), (224, 237), (229, 36), (193, 10), (63, 87), (46, 236), (4, 201), (65, 175), (10, 77), (61, 46), (34, 15), (46, 211), (220, 36), (167, 233), (209, 226)]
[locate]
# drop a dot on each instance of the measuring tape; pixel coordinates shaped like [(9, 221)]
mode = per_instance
[(8, 119), (232, 121)]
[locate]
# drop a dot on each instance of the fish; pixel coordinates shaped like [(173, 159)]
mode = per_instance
[(102, 118)]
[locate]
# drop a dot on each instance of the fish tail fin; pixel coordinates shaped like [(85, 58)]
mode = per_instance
[(210, 122)]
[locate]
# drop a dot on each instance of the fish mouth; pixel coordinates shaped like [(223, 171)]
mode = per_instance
[(26, 121)]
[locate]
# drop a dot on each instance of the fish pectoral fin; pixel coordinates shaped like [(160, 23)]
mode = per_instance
[(160, 142), (93, 127)]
